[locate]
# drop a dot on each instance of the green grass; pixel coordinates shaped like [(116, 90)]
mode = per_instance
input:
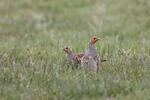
[(32, 64)]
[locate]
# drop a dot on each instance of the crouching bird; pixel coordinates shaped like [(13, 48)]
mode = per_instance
[(91, 57), (73, 60)]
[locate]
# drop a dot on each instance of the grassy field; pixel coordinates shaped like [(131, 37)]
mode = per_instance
[(32, 64)]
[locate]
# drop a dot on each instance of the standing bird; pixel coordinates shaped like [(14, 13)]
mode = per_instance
[(73, 60), (91, 57)]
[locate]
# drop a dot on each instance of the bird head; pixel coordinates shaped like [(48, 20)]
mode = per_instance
[(67, 49), (94, 39)]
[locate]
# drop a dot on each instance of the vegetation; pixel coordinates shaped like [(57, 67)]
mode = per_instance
[(32, 64)]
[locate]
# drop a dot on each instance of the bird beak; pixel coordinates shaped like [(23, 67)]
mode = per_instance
[(62, 48), (98, 38)]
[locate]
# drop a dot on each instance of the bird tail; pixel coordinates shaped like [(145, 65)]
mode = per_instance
[(103, 60)]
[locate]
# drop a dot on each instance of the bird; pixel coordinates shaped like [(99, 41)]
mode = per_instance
[(73, 60), (91, 56)]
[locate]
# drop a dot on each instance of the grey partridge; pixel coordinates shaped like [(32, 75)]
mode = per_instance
[(91, 57), (73, 60)]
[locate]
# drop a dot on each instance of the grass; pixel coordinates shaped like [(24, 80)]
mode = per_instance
[(32, 64)]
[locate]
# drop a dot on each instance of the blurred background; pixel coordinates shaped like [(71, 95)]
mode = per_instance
[(58, 20)]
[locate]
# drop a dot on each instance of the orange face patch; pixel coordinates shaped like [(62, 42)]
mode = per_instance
[(94, 40), (66, 49)]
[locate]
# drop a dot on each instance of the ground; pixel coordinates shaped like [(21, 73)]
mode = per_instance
[(32, 64)]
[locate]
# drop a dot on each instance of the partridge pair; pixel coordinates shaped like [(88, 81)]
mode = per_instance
[(89, 58)]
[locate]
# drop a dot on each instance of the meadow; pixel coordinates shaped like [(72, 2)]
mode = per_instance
[(33, 66)]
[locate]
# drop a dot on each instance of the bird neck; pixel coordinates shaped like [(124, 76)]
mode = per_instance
[(92, 49), (70, 56), (70, 53)]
